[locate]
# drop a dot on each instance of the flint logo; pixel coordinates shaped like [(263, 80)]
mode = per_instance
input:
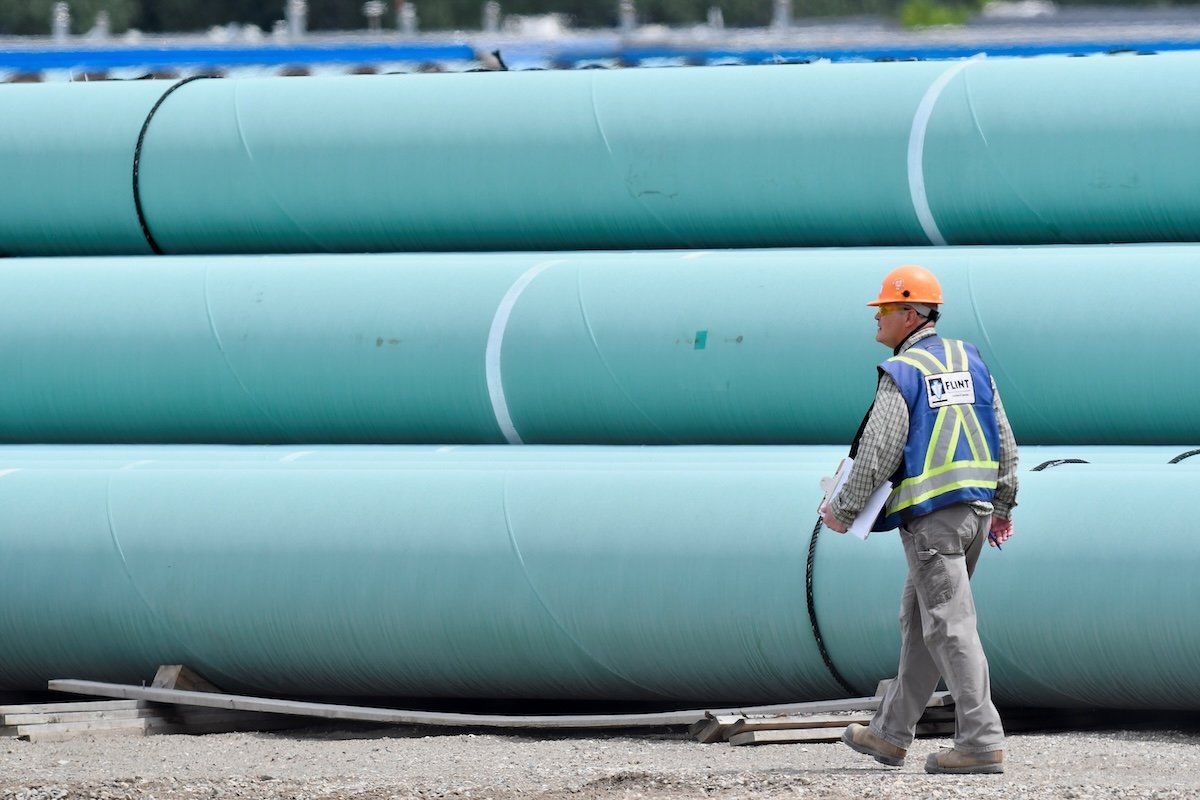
[(949, 389)]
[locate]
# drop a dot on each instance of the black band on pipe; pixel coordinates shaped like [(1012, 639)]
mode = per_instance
[(812, 613), (137, 163), (1182, 456), (1054, 462)]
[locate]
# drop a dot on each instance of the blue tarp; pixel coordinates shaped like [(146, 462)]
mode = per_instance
[(764, 56), (115, 57)]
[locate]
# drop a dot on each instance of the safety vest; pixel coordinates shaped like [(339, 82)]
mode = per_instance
[(953, 441)]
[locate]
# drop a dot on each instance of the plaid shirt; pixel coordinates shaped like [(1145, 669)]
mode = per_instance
[(881, 451)]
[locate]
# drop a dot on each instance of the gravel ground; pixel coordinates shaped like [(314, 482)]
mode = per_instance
[(341, 762)]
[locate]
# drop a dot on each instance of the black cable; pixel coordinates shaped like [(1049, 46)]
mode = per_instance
[(1054, 462), (812, 614), (1182, 456), (137, 163)]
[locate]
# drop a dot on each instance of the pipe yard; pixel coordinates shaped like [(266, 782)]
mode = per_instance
[(474, 424)]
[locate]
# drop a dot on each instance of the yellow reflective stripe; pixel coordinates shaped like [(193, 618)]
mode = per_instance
[(948, 348), (972, 431), (959, 425), (964, 484), (974, 435), (921, 354), (934, 437), (962, 348), (933, 473), (935, 364), (940, 480), (986, 453), (912, 362)]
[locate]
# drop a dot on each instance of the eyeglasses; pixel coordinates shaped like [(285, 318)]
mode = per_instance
[(889, 308)]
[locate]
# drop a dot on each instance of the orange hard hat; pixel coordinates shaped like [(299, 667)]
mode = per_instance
[(909, 284)]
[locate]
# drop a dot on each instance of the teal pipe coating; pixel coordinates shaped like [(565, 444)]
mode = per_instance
[(671, 574), (753, 347), (1021, 151), (67, 161)]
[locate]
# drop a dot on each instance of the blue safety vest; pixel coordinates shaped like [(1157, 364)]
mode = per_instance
[(953, 441)]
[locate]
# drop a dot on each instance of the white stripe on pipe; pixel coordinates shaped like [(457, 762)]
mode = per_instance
[(4, 472), (296, 456), (916, 151), (495, 382)]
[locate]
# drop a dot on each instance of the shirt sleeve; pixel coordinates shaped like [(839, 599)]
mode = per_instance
[(880, 451), (1006, 484)]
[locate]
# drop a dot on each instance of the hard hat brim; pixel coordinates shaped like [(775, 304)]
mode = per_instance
[(905, 301)]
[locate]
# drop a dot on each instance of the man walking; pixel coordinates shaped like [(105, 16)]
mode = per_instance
[(937, 430)]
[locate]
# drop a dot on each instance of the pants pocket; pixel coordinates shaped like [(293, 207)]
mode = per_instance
[(932, 578)]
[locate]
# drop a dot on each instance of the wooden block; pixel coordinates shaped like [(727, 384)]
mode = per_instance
[(940, 700), (934, 728), (795, 722), (798, 721), (66, 735), (154, 719), (794, 736), (24, 731), (179, 676), (719, 730), (828, 706), (76, 716), (709, 731), (938, 714), (809, 707), (832, 734), (151, 725), (933, 713), (85, 705)]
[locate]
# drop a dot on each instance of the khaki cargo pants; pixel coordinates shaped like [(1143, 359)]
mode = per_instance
[(939, 639)]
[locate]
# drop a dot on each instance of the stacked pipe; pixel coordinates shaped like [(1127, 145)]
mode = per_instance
[(447, 564), (1010, 151), (592, 348)]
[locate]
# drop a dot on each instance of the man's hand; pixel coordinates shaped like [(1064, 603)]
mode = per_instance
[(1001, 530), (831, 521)]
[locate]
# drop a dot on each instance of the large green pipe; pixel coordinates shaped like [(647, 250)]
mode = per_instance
[(1044, 150), (1088, 344), (626, 573)]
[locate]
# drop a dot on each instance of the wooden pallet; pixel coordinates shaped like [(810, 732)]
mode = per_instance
[(52, 725), (819, 721), (823, 734), (56, 722)]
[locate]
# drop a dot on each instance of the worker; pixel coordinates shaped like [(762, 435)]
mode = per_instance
[(937, 431)]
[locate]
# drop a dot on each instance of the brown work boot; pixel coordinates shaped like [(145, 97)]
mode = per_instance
[(956, 762), (863, 740)]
